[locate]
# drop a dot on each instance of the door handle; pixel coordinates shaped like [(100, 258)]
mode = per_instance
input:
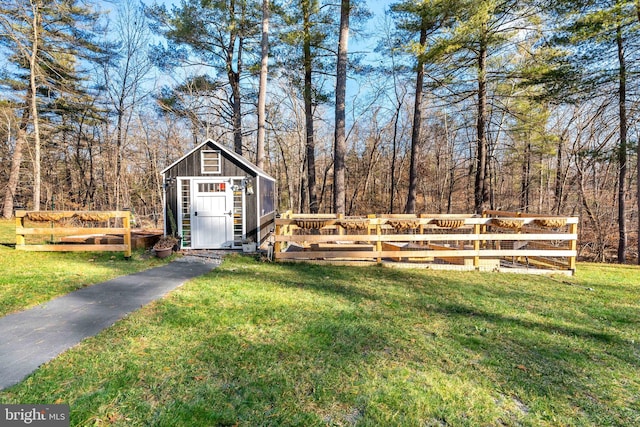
[(196, 213)]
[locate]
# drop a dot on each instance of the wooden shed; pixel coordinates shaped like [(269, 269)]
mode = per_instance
[(217, 199)]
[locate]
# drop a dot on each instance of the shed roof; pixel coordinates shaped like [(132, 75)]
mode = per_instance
[(227, 153)]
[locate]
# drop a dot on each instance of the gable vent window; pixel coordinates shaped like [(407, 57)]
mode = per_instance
[(211, 162)]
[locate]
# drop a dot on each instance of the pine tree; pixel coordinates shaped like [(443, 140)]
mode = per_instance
[(218, 35), (340, 138), (44, 38), (301, 53), (421, 20)]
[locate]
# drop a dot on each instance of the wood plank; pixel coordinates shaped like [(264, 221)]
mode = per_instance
[(444, 267), (72, 248), (450, 260), (477, 229), (402, 248), (82, 239), (327, 254), (426, 220), (425, 253), (386, 246), (546, 263), (126, 222), (310, 216), (68, 214), (20, 240), (512, 214), (526, 236), (337, 262), (573, 245), (69, 231), (340, 247), (320, 238), (362, 254), (492, 253)]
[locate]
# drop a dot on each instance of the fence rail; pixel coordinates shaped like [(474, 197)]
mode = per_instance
[(494, 241), (83, 224)]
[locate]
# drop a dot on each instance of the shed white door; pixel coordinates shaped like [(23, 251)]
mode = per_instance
[(212, 215)]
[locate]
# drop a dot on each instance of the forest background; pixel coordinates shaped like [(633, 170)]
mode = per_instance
[(436, 106)]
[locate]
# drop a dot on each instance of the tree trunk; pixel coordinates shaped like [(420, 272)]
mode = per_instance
[(118, 154), (525, 188), (600, 244), (308, 111), (234, 68), (285, 170), (417, 125), (262, 94), (340, 147), (120, 134), (559, 184), (237, 111), (481, 187), (637, 3), (362, 191), (394, 155), (34, 107), (16, 161), (622, 150)]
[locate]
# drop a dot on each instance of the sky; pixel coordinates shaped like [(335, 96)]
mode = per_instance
[(357, 44)]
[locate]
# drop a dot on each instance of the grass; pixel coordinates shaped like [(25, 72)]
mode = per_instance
[(30, 278), (273, 344)]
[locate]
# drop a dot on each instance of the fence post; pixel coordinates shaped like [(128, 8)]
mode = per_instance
[(278, 244), (287, 229), (20, 240), (477, 228), (126, 223), (573, 245), (379, 241)]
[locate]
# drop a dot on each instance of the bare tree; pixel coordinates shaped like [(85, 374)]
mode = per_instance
[(622, 146), (124, 77)]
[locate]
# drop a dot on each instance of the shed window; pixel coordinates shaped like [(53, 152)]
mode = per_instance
[(267, 196), (211, 162), (211, 187)]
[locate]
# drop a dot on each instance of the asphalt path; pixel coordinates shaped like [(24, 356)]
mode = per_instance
[(32, 337)]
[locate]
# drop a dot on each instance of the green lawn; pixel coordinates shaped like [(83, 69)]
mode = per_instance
[(255, 343), (30, 278)]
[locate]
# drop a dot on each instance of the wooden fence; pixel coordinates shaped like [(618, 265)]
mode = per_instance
[(494, 241), (61, 224)]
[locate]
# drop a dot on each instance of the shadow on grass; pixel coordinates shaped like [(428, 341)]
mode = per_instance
[(283, 344), (537, 341), (314, 278), (551, 366), (473, 313)]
